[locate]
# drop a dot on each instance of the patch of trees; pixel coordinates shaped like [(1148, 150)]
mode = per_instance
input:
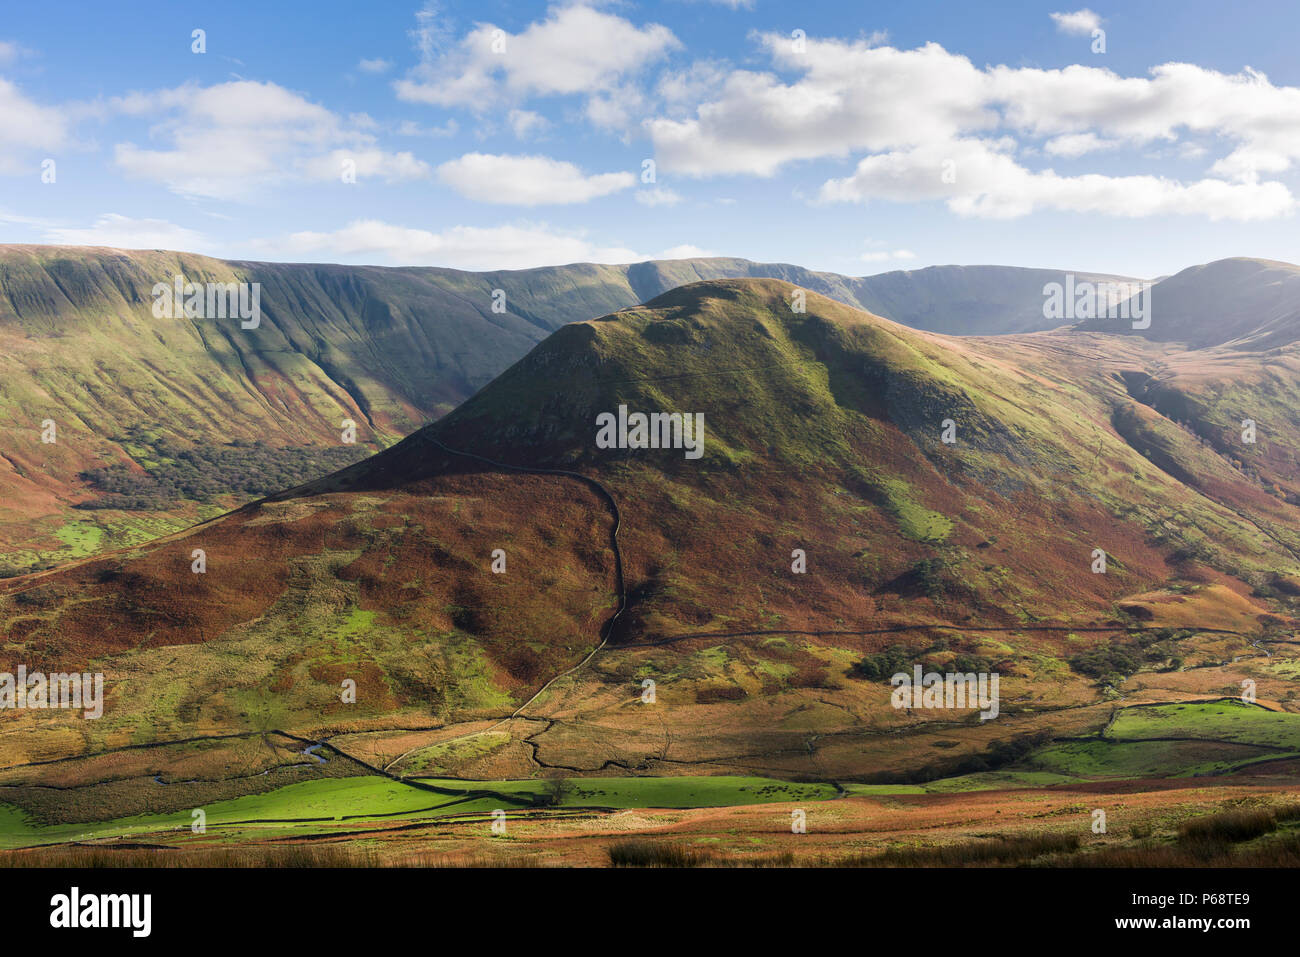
[(205, 473), (1106, 662), (1115, 662), (883, 665)]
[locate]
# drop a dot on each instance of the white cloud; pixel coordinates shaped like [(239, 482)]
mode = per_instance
[(376, 65), (659, 196), (702, 80), (518, 246), (575, 50), (734, 4), (526, 123), (527, 180), (1079, 23), (19, 219), (685, 251), (463, 247), (616, 108), (852, 96), (28, 129), (879, 256), (990, 183), (229, 140), (1072, 145), (910, 110), (391, 167), (412, 128), (123, 232)]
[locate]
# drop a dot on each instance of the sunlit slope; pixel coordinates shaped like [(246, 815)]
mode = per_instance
[(823, 436), (388, 349), (842, 414)]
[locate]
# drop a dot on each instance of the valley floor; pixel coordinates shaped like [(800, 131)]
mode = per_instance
[(1182, 784), (742, 822)]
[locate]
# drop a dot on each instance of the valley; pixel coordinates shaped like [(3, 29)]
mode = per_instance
[(139, 392), (525, 691)]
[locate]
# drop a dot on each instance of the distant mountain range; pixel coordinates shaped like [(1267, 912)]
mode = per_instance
[(1249, 304)]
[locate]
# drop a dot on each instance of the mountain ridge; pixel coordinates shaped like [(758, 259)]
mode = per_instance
[(166, 421), (1244, 303), (388, 348)]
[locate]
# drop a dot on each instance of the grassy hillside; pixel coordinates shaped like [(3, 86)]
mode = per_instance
[(148, 410), (824, 434)]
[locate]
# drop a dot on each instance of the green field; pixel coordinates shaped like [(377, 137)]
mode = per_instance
[(1176, 740), (1215, 720), (340, 803)]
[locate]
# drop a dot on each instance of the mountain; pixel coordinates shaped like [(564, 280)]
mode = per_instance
[(826, 536), (163, 421), (1248, 304), (957, 300)]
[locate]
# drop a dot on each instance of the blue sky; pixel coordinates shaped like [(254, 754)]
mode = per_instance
[(895, 135)]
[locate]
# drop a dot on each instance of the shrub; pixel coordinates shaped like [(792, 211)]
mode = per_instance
[(1105, 661)]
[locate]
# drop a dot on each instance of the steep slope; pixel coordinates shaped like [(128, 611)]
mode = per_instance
[(1248, 304), (825, 527), (155, 417)]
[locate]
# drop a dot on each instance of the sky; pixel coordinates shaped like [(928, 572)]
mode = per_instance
[(846, 136)]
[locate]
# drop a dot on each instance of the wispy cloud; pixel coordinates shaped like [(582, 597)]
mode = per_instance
[(517, 246), (124, 232), (230, 140), (527, 180), (1079, 23)]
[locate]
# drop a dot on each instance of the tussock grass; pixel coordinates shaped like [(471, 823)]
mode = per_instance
[(1282, 852), (645, 853), (1003, 850), (253, 855), (641, 853), (1231, 826)]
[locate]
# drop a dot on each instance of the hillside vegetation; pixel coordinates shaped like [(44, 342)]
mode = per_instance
[(823, 435), (389, 349)]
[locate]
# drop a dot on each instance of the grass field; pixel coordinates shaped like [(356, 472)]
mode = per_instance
[(1216, 720), (327, 805), (1176, 740)]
